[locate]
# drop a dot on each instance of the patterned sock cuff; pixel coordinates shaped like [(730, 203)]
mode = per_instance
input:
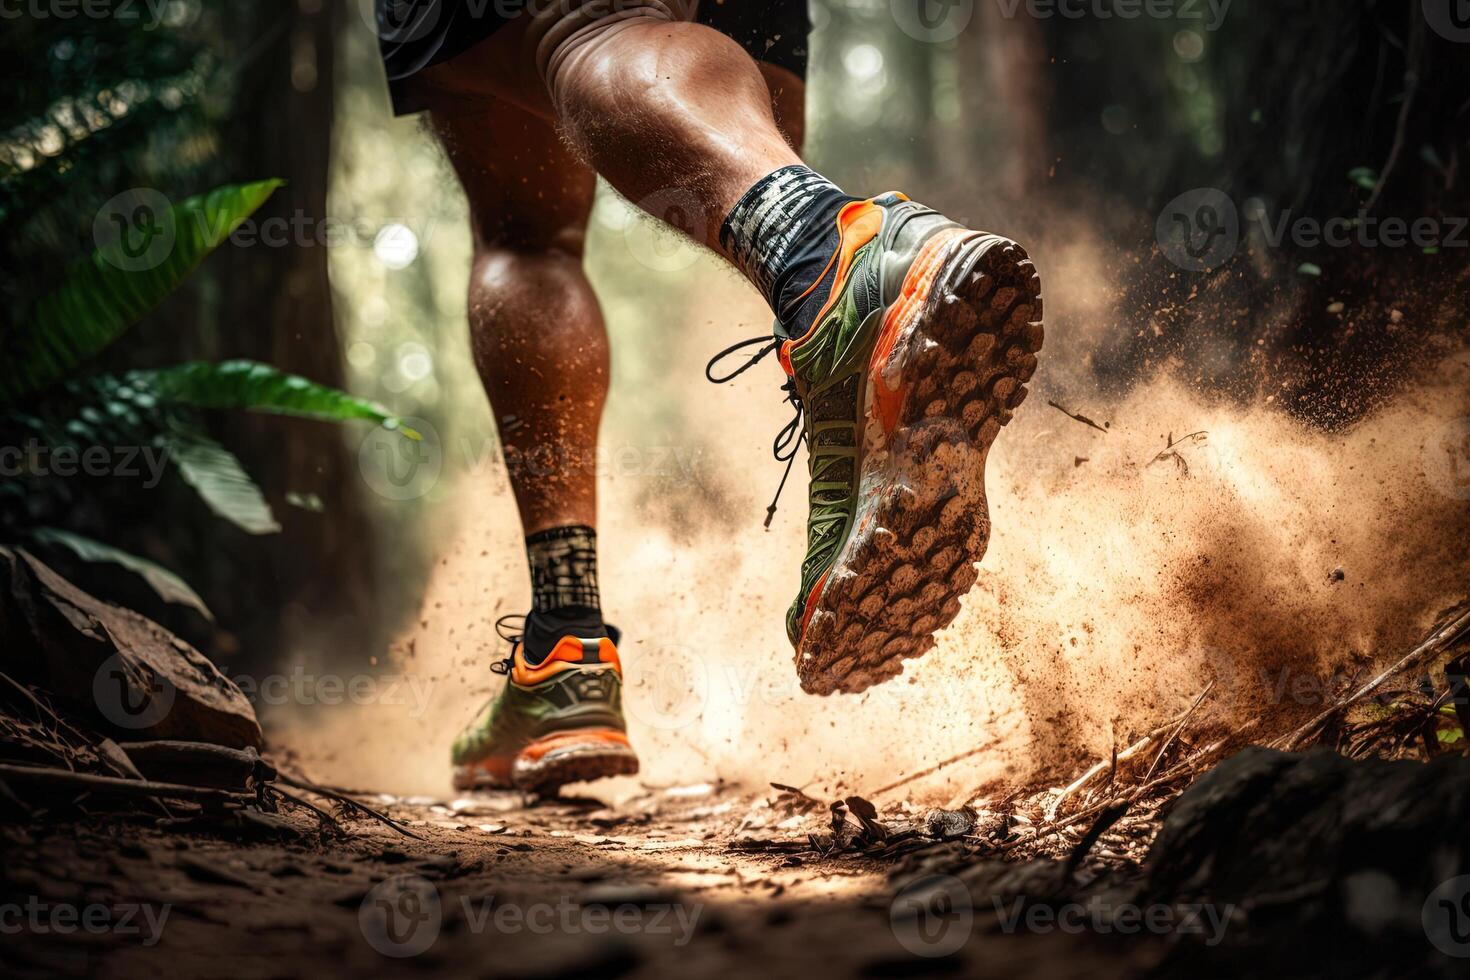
[(563, 568), (766, 228)]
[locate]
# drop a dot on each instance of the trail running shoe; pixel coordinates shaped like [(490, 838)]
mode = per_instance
[(901, 385), (558, 720)]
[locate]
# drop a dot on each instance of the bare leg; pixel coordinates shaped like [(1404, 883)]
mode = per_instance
[(542, 351), (671, 106), (788, 102), (657, 107), (535, 325)]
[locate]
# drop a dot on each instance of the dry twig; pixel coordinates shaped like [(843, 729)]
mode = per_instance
[(1171, 451), (1454, 627), (1078, 417), (969, 753), (348, 802), (48, 777)]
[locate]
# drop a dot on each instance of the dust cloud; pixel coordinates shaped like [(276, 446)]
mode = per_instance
[(1276, 559)]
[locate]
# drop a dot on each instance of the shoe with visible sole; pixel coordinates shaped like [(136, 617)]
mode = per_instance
[(558, 720), (905, 378)]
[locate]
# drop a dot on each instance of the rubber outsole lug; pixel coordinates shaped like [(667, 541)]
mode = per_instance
[(572, 762), (922, 521)]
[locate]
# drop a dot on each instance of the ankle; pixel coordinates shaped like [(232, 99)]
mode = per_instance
[(783, 235), (563, 562)]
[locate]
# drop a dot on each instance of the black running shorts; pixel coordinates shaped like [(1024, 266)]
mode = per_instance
[(416, 34)]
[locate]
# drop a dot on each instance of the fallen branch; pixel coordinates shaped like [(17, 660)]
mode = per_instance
[(1176, 723), (49, 778), (348, 802), (47, 717), (1168, 742), (934, 768), (200, 764), (326, 819), (1457, 625), (1107, 765), (1187, 767)]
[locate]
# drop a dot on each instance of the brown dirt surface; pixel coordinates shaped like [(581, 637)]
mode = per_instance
[(700, 880)]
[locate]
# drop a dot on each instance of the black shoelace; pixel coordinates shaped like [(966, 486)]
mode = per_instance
[(788, 441), (505, 628)]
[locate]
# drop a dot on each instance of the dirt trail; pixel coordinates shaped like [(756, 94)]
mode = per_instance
[(647, 887)]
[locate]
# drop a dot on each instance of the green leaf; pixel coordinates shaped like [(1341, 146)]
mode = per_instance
[(109, 291), (1309, 269), (217, 476), (261, 388), (170, 587)]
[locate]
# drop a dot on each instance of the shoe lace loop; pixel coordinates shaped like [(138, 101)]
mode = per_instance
[(788, 441), (513, 633)]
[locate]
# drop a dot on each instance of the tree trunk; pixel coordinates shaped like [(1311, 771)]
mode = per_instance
[(275, 306)]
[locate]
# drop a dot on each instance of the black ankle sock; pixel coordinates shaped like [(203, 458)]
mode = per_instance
[(564, 575), (783, 234)]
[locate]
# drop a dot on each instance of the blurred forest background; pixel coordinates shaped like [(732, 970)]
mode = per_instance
[(1051, 128)]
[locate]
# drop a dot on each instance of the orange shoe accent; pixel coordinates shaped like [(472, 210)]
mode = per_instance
[(594, 736), (917, 285), (496, 767), (857, 223), (566, 655), (811, 605)]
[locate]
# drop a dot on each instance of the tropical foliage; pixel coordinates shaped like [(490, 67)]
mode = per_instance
[(49, 406)]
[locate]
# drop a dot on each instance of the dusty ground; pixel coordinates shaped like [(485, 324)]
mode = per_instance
[(680, 879)]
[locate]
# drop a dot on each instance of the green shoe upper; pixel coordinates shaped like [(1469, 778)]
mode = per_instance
[(879, 239), (577, 686), (830, 370), (830, 367)]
